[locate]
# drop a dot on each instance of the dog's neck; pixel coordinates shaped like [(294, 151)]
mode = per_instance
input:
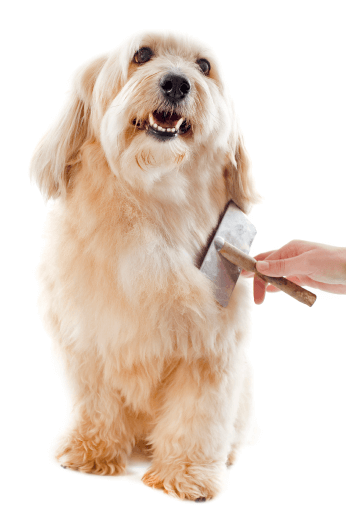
[(179, 194)]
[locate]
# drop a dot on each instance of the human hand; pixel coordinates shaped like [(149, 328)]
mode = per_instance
[(313, 264)]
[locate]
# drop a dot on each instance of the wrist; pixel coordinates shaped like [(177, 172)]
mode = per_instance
[(340, 266), (343, 266)]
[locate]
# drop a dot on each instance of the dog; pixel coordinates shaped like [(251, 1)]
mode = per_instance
[(141, 164)]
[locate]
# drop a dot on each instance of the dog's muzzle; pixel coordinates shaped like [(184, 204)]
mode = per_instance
[(167, 122)]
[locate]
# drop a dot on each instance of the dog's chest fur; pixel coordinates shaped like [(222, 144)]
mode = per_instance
[(109, 260)]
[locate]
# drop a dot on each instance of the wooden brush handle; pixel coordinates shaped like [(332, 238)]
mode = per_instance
[(244, 261)]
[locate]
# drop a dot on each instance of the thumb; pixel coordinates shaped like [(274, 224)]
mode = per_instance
[(282, 267)]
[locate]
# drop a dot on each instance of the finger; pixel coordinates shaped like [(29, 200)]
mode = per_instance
[(259, 290), (271, 288), (291, 266), (246, 274), (289, 250), (294, 279), (262, 256)]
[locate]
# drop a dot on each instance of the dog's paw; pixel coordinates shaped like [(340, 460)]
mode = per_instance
[(98, 459), (194, 482)]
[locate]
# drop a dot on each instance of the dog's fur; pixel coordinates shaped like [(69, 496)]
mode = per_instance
[(150, 354)]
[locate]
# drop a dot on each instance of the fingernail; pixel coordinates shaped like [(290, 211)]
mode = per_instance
[(262, 266)]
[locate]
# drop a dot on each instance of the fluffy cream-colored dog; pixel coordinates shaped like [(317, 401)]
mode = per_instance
[(142, 163)]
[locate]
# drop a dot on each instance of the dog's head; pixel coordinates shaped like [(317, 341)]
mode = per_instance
[(154, 105)]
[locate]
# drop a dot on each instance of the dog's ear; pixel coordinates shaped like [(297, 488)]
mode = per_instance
[(237, 173), (57, 152)]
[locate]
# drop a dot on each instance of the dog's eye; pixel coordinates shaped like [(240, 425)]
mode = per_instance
[(204, 64), (143, 55)]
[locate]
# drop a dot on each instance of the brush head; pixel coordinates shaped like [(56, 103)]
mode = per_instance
[(236, 229)]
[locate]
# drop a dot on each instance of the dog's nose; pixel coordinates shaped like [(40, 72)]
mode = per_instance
[(175, 86)]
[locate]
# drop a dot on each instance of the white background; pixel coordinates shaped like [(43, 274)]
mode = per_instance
[(284, 63)]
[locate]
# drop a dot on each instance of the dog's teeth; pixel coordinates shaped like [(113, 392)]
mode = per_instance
[(179, 123), (156, 126)]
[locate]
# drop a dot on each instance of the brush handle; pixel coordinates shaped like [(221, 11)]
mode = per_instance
[(247, 262)]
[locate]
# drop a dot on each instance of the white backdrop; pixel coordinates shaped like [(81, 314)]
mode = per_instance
[(284, 63)]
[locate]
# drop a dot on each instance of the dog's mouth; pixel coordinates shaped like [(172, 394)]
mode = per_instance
[(163, 125)]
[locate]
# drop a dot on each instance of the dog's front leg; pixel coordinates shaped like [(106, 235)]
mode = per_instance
[(182, 323), (191, 438), (102, 433)]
